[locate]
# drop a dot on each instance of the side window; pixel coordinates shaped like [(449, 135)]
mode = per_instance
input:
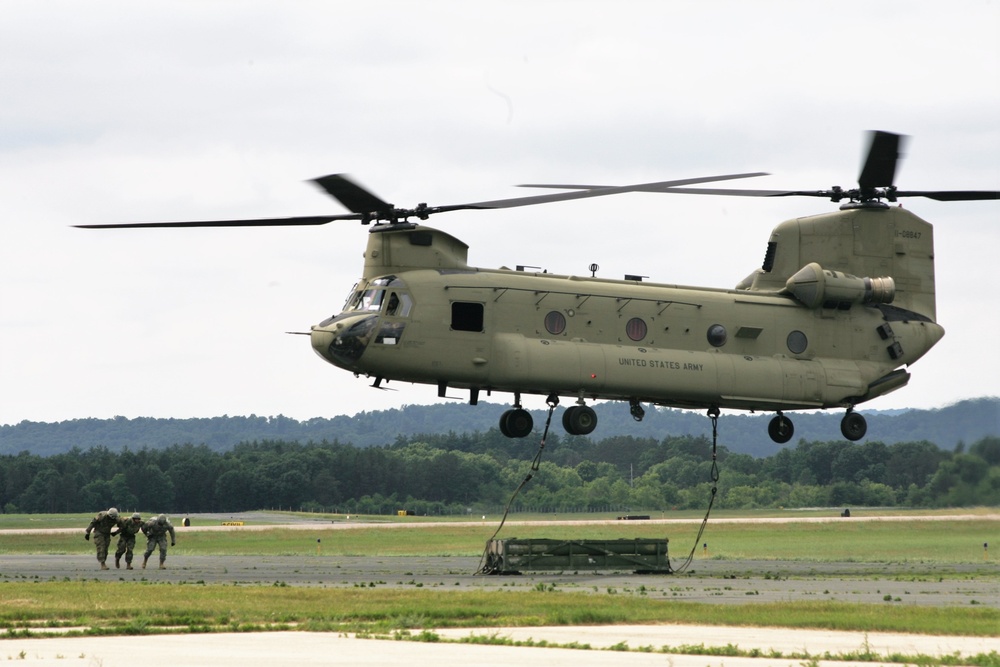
[(466, 316), (636, 329), (398, 304), (555, 322)]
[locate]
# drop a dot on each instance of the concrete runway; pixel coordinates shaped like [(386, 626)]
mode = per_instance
[(307, 649)]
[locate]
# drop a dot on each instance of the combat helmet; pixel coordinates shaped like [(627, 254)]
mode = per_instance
[(113, 513), (162, 519)]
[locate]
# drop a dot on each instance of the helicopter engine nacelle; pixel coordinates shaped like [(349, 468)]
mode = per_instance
[(817, 287)]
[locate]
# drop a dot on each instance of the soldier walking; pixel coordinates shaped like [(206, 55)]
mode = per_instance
[(156, 530), (126, 540), (102, 525)]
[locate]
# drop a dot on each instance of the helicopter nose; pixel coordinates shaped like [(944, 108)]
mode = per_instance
[(343, 340)]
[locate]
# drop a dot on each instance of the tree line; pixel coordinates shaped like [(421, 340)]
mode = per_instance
[(477, 472), (965, 421)]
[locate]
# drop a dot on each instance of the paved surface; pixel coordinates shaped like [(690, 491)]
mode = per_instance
[(709, 581), (308, 649)]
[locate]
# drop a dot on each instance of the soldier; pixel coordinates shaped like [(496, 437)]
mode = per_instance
[(102, 525), (156, 530), (126, 540)]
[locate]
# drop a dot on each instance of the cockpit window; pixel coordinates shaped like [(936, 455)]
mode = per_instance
[(398, 304), (372, 297), (350, 297), (352, 301)]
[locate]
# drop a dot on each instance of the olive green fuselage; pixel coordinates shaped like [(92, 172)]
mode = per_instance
[(784, 340)]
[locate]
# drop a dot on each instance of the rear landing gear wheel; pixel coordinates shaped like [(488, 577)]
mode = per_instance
[(853, 426), (579, 420), (780, 429), (516, 423)]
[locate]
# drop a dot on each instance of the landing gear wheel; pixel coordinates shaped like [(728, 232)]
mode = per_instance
[(579, 420), (853, 426), (516, 423), (503, 424), (780, 429)]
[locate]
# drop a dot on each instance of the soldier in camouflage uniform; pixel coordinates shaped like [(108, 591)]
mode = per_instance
[(102, 525), (156, 530), (126, 540)]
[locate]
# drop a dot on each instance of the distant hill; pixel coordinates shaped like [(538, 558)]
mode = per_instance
[(966, 421)]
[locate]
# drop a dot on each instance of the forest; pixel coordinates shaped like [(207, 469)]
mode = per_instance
[(965, 421), (473, 473)]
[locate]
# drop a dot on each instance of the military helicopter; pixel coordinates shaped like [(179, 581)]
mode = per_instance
[(842, 305)]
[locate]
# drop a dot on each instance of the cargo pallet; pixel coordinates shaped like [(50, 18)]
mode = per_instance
[(514, 556)]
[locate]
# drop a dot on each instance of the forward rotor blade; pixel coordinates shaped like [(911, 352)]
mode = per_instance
[(685, 191), (260, 222), (367, 206), (583, 192), (884, 153), (351, 195)]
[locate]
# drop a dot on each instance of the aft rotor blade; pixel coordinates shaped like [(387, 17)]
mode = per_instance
[(939, 195), (653, 187), (748, 193), (951, 195), (583, 192), (884, 152), (259, 222)]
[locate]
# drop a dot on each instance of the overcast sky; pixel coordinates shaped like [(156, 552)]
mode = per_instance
[(125, 111)]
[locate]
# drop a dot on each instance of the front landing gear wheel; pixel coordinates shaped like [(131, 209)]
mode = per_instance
[(853, 426), (579, 420), (780, 429), (516, 423)]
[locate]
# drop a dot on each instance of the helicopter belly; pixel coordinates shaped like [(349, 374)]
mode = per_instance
[(543, 366), (775, 383)]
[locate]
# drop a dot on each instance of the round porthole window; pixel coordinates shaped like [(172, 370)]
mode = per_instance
[(797, 342), (717, 335), (555, 322), (636, 329)]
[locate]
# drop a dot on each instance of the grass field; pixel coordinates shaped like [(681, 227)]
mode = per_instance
[(739, 538), (115, 607)]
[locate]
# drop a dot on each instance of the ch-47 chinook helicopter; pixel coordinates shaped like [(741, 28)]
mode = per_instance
[(843, 303)]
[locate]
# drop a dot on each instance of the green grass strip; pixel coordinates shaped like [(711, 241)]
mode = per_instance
[(137, 608)]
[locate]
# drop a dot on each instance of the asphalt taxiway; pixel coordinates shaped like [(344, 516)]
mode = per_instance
[(707, 580)]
